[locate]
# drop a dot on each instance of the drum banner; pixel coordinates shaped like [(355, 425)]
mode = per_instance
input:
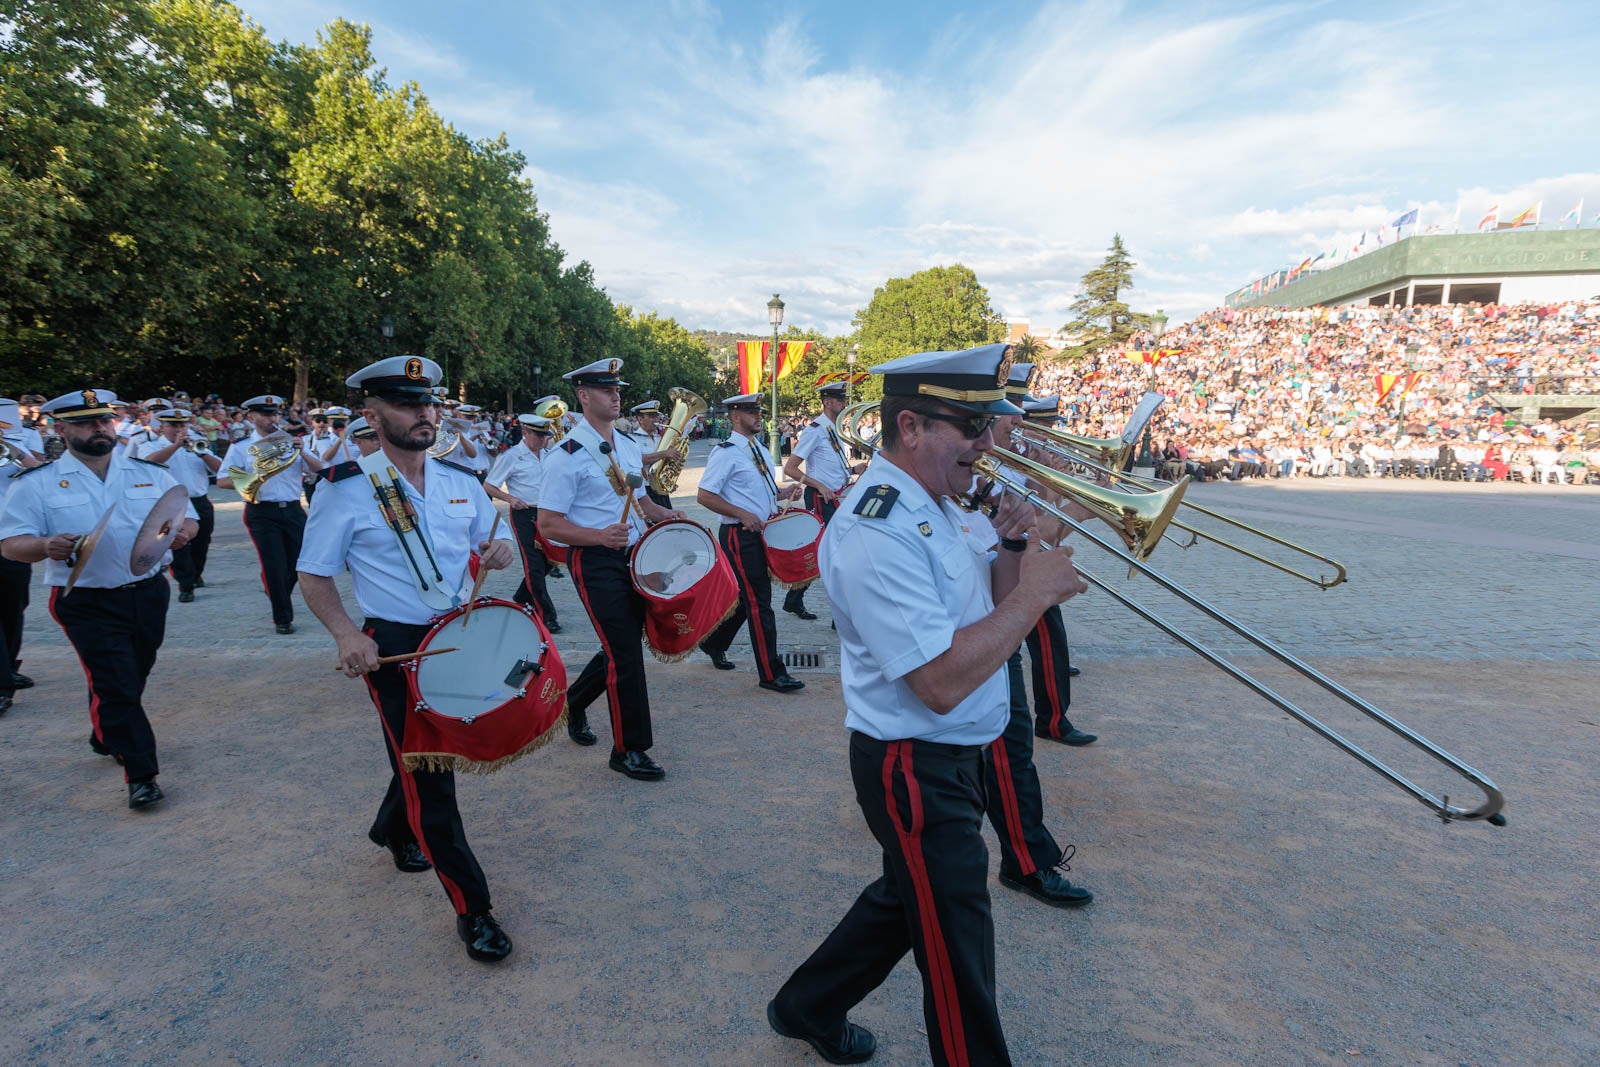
[(674, 628), (794, 565)]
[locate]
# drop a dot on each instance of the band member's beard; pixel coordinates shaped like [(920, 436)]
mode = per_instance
[(98, 445), (406, 441)]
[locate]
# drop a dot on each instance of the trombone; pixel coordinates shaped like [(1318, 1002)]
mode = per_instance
[(1003, 469), (1106, 456)]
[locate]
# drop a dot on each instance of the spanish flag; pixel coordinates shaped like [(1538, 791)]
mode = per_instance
[(829, 378), (790, 353), (1386, 384), (1525, 218), (752, 366)]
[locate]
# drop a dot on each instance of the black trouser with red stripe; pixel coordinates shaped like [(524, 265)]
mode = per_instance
[(420, 806), (617, 670), (924, 803), (796, 597), (14, 581), (276, 529), (189, 562), (1052, 687), (747, 552), (1016, 805), (524, 524), (116, 634)]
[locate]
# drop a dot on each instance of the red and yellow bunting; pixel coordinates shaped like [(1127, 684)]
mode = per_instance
[(1405, 382), (1151, 356)]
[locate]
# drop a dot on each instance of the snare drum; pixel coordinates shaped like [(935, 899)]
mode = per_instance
[(555, 553), (792, 540), (687, 585), (496, 698)]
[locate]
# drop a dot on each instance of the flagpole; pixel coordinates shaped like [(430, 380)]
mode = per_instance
[(775, 317)]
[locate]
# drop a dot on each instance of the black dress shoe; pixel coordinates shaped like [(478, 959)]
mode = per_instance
[(99, 749), (855, 1045), (407, 858), (1074, 737), (1048, 886), (484, 939), (5, 703), (637, 765), (1073, 672), (578, 729), (185, 597), (784, 683), (801, 611), (555, 572), (719, 660), (143, 794), (553, 627), (286, 627), (21, 681), (199, 583)]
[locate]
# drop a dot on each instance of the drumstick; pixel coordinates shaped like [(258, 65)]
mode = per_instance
[(632, 481), (402, 657), (483, 572)]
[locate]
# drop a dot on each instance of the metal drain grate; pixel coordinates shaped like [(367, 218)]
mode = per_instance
[(801, 659)]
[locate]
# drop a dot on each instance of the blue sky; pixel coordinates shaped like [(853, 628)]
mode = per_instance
[(703, 155)]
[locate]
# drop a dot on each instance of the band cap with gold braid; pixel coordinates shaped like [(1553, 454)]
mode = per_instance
[(602, 373), (362, 428), (536, 424), (649, 407), (1017, 382), (399, 380), (743, 402), (177, 415), (973, 380), (85, 405), (1042, 407), (266, 404), (833, 389)]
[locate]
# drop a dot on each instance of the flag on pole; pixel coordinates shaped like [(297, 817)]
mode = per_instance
[(1490, 220), (1575, 215), (1380, 236), (1386, 384), (859, 377), (790, 353), (829, 378), (1528, 217), (752, 366), (1408, 219), (1411, 382)]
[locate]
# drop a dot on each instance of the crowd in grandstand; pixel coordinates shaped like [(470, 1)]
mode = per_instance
[(1294, 391)]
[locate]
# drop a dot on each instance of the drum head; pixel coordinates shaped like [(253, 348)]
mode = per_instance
[(794, 530), (671, 558), (471, 681)]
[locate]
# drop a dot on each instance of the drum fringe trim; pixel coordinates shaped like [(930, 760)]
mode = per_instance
[(447, 761), (679, 657), (781, 584)]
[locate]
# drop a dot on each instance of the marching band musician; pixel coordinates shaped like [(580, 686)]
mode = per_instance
[(647, 431), (418, 820), (328, 441), (474, 441), (184, 453), (738, 485), (276, 522), (114, 619), (827, 470), (364, 436), (926, 624), (587, 503), (520, 472), (25, 451)]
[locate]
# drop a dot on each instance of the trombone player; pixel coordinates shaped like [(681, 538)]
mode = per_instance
[(272, 466)]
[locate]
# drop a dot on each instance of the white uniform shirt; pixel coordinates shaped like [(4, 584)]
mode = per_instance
[(520, 472), (285, 485), (65, 497), (318, 444), (23, 437), (576, 484), (900, 585), (346, 526), (820, 449), (482, 460), (734, 473), (189, 469)]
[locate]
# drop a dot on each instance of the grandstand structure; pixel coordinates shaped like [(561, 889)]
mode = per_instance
[(1507, 267)]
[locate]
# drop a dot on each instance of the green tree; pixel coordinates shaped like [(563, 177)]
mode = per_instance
[(1102, 317), (938, 309)]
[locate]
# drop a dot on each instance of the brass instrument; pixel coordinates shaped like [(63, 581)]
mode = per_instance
[(445, 440), (1082, 451), (555, 410), (663, 473), (10, 453), (1003, 469), (269, 457)]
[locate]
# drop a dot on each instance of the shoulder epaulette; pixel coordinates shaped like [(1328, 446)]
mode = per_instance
[(340, 471), (153, 463), (877, 502), (569, 446), (30, 470), (726, 444)]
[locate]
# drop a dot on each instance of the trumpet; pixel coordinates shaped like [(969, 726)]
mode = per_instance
[(1011, 476)]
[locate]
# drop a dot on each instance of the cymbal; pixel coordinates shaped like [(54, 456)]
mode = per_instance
[(85, 548), (158, 531)]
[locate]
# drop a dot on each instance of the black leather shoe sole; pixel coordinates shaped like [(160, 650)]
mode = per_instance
[(1077, 738), (1073, 672), (718, 660), (21, 681), (285, 627), (785, 684), (802, 613), (408, 859), (1022, 885), (857, 1047), (5, 703), (185, 598), (485, 943), (553, 627), (581, 734), (143, 794), (648, 771)]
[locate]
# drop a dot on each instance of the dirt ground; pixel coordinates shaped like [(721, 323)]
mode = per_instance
[(1260, 897)]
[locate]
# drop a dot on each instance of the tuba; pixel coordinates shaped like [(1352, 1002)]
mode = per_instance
[(269, 457), (554, 410), (663, 473)]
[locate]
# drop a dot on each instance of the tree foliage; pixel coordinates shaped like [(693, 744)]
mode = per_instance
[(1101, 316), (938, 309), (186, 203)]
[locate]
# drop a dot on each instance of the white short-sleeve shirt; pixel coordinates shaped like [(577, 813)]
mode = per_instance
[(188, 469), (904, 572), (732, 472), (820, 450), (520, 472), (576, 484), (283, 486)]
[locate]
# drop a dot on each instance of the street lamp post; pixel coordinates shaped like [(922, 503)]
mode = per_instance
[(850, 379), (386, 327), (775, 317), (1400, 419), (1145, 465), (538, 378)]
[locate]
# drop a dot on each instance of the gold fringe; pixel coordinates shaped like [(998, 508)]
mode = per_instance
[(781, 584), (679, 657), (449, 761)]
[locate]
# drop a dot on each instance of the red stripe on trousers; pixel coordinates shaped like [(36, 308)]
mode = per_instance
[(94, 698), (752, 609), (1047, 653), (408, 789), (613, 697), (940, 975), (260, 562), (1008, 802)]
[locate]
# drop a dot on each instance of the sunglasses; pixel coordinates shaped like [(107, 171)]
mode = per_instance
[(972, 427)]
